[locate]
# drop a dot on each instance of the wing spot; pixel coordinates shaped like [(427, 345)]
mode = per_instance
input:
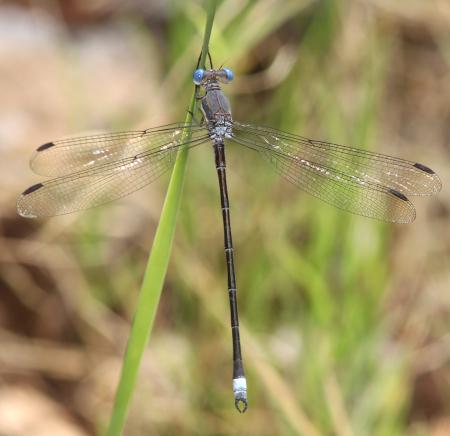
[(32, 188), (424, 168), (45, 146), (398, 194)]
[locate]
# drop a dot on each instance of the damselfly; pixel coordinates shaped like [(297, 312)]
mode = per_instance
[(94, 170)]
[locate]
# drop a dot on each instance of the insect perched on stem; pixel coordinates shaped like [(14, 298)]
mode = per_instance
[(94, 170)]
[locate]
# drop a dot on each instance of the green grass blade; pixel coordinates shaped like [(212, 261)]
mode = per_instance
[(156, 268)]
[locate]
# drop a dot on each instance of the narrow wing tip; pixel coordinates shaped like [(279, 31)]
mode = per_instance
[(408, 214), (436, 186), (409, 218), (25, 214), (25, 210), (24, 206)]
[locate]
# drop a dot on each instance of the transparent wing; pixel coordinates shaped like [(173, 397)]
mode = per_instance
[(69, 155), (358, 181), (103, 182)]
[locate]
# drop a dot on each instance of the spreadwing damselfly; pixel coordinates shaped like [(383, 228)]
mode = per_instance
[(92, 170)]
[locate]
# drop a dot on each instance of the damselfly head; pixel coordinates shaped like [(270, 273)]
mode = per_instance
[(224, 75)]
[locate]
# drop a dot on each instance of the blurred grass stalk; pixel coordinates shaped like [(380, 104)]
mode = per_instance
[(156, 267)]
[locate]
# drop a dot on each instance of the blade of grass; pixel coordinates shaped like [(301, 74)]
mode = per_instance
[(156, 267)]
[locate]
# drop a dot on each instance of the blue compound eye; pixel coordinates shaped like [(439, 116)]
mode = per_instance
[(229, 74), (198, 76)]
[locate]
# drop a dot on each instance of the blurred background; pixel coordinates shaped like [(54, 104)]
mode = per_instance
[(345, 320)]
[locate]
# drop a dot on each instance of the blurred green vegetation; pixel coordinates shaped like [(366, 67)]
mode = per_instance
[(324, 296)]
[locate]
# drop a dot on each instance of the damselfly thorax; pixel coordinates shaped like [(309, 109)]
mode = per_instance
[(214, 105)]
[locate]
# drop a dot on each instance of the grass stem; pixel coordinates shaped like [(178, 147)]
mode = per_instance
[(156, 267)]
